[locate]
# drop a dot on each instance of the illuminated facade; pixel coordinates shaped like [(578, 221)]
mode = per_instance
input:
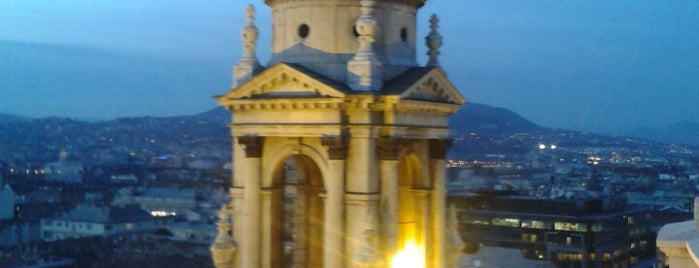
[(339, 142), (586, 232)]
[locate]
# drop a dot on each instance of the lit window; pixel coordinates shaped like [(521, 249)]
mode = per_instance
[(535, 224), (570, 226), (505, 222)]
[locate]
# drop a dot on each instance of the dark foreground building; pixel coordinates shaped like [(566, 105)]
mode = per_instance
[(581, 232)]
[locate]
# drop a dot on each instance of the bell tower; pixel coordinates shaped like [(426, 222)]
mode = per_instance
[(339, 143)]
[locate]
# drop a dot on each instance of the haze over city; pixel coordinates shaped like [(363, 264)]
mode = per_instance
[(588, 65)]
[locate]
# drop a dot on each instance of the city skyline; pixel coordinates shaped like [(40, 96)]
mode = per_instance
[(592, 65)]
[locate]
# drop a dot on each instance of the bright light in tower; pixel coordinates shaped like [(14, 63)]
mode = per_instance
[(411, 256), (542, 146)]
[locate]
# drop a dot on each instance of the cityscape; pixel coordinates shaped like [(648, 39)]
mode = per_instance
[(370, 133), (69, 198)]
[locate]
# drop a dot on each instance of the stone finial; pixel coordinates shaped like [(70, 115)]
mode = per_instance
[(249, 34), (364, 70), (249, 65), (434, 42), (224, 248)]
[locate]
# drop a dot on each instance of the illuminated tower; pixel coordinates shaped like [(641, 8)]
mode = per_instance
[(339, 142)]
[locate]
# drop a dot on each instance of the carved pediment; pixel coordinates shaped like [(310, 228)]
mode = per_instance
[(285, 81), (433, 86)]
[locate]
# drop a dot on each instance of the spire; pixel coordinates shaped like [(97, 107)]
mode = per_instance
[(434, 42), (364, 70), (249, 65)]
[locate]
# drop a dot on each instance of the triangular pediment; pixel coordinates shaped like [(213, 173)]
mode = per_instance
[(429, 85), (286, 81)]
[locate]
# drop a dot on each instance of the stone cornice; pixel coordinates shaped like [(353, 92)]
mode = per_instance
[(425, 107), (285, 104)]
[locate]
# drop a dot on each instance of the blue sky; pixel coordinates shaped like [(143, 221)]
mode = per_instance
[(586, 64)]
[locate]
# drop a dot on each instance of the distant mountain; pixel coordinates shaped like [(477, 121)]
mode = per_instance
[(40, 140), (4, 118), (489, 120), (478, 130), (681, 132)]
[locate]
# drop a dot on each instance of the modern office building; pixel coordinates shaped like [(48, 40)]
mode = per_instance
[(582, 232)]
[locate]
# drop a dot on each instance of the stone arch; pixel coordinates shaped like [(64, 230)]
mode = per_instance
[(277, 156), (297, 208)]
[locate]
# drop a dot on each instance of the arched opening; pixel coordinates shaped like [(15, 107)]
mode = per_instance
[(410, 208), (301, 213)]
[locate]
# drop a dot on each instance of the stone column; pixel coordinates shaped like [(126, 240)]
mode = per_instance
[(362, 188), (238, 228), (333, 245), (361, 232), (389, 149), (251, 212), (271, 238), (438, 153)]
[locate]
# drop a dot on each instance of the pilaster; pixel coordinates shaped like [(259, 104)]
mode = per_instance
[(334, 231), (438, 150), (362, 212), (271, 240), (388, 151), (251, 253)]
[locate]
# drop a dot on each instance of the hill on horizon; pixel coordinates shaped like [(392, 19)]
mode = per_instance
[(680, 132), (40, 139), (489, 120)]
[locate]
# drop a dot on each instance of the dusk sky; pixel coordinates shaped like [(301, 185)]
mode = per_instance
[(588, 64)]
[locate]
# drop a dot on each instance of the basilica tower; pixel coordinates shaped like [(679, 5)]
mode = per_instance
[(339, 141)]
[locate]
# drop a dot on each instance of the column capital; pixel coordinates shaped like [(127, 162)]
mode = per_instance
[(389, 147), (439, 148), (337, 145), (253, 145)]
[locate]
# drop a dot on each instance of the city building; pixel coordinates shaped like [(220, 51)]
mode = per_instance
[(583, 232), (680, 242), (65, 169), (344, 101), (7, 201), (90, 220)]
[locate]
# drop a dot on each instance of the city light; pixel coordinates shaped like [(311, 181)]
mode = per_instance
[(162, 213), (542, 146)]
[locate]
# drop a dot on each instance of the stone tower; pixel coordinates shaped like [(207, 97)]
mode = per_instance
[(339, 142)]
